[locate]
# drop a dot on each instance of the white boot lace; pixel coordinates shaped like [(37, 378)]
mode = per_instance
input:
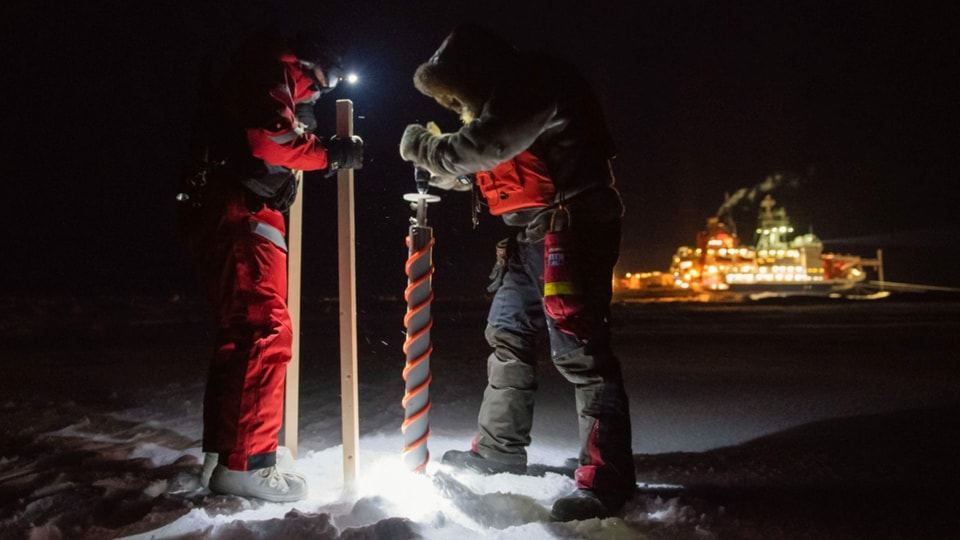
[(274, 479)]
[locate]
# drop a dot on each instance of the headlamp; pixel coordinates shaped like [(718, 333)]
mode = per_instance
[(334, 75)]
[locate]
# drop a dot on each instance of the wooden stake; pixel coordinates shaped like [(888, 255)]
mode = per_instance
[(291, 393), (348, 309)]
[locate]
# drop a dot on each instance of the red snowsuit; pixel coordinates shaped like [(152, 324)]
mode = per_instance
[(240, 245)]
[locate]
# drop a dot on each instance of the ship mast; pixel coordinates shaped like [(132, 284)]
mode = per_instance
[(773, 226)]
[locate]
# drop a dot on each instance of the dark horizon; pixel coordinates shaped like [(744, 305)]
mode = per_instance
[(852, 99)]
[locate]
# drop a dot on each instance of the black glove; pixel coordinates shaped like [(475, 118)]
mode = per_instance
[(343, 153), (306, 116)]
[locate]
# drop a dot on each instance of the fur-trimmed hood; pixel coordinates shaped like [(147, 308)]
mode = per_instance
[(464, 70)]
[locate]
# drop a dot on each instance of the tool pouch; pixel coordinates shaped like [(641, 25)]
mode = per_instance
[(499, 267), (562, 299)]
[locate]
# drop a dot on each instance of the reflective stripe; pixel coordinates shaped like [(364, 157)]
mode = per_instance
[(269, 232), (288, 136), (558, 288)]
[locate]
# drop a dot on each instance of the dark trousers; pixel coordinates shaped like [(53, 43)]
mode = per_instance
[(515, 321)]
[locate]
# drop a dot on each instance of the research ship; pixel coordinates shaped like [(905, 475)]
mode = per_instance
[(781, 263)]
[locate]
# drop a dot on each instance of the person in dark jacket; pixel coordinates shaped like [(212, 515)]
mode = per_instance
[(259, 136), (535, 144)]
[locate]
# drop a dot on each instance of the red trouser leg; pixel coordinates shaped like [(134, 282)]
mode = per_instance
[(243, 404)]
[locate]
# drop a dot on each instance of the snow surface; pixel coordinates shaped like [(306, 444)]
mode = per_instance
[(788, 419)]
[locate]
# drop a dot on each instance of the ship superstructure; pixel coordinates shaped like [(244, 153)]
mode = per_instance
[(781, 261)]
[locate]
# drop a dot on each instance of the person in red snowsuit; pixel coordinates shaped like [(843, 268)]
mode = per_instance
[(535, 144), (260, 133)]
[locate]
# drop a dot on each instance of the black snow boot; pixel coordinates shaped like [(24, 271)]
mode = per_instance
[(472, 461), (583, 504)]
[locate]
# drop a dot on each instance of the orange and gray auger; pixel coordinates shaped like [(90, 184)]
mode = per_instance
[(418, 321)]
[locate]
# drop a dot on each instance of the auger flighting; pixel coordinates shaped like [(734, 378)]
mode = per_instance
[(418, 321)]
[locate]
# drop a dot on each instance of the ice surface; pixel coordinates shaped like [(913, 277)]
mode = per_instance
[(775, 421)]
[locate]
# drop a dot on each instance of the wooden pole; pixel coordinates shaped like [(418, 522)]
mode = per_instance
[(291, 393), (349, 401)]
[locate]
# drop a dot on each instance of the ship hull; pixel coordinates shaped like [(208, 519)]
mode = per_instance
[(822, 288)]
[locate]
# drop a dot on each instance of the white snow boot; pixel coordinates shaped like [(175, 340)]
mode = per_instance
[(210, 459), (209, 463), (270, 484)]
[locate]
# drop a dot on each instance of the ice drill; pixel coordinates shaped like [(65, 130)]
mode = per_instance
[(418, 321)]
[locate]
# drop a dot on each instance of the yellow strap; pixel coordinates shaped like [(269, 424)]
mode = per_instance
[(559, 287)]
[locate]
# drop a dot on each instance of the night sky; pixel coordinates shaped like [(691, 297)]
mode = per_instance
[(854, 101)]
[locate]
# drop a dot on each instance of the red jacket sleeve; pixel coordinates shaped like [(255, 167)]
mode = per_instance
[(285, 143)]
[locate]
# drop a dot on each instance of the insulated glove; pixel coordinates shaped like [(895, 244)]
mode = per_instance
[(343, 153), (416, 140), (413, 138), (306, 116)]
